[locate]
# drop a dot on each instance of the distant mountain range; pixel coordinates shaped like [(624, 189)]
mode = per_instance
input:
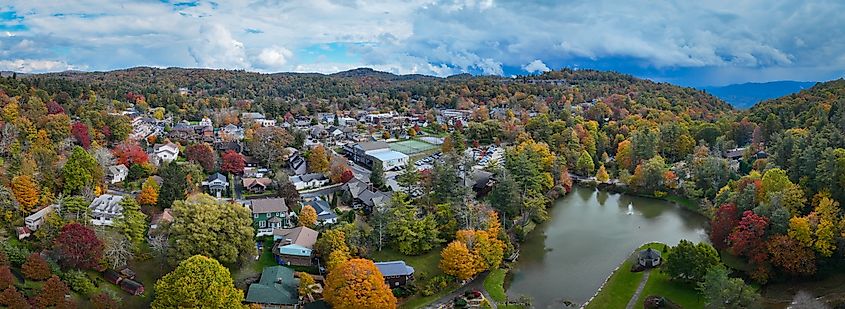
[(747, 94)]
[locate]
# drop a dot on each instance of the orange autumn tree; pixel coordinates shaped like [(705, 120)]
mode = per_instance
[(456, 260), (149, 193), (307, 216), (357, 283), (26, 192)]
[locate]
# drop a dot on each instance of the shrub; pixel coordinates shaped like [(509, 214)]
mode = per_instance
[(78, 282), (16, 253)]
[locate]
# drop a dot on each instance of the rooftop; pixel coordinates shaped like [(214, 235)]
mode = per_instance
[(268, 205), (388, 155), (277, 286), (394, 268)]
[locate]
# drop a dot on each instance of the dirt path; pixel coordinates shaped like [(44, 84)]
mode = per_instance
[(636, 296)]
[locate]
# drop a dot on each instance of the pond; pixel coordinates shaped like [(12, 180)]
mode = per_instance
[(589, 234)]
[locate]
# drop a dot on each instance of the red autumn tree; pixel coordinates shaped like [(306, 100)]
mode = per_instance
[(80, 132), (36, 267), (129, 153), (233, 162), (6, 278), (749, 234), (723, 223), (791, 256), (203, 155), (78, 246), (52, 294), (103, 301), (346, 176), (10, 297), (54, 108)]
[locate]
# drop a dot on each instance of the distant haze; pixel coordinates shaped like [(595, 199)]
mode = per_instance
[(747, 94)]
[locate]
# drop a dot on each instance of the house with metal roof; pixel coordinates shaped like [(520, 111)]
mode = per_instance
[(277, 288), (395, 273)]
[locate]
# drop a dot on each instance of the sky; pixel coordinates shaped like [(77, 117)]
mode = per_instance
[(692, 43)]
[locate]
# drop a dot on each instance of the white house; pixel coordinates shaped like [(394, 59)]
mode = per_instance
[(309, 181), (105, 208), (266, 122), (389, 159), (166, 152), (205, 122), (217, 184), (35, 220), (117, 173)]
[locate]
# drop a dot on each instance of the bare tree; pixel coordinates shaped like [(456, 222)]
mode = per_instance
[(118, 249)]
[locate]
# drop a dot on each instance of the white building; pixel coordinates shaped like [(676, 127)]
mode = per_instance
[(166, 152), (389, 159), (117, 173), (105, 208), (309, 181), (35, 220), (266, 122), (206, 122)]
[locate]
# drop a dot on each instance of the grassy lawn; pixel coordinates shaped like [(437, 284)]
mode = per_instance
[(684, 295), (494, 284), (618, 289)]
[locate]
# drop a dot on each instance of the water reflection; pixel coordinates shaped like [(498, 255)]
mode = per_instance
[(569, 257)]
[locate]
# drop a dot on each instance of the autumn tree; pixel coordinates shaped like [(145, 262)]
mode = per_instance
[(233, 162), (149, 192), (268, 145), (689, 262), (127, 153), (339, 171), (723, 223), (748, 239), (331, 241), (26, 192), (456, 260), (53, 293), (487, 248), (337, 258), (6, 278), (202, 219), (306, 282), (625, 154), (36, 268), (203, 155), (307, 216), (358, 284), (584, 165), (601, 175), (80, 133), (104, 301), (181, 289), (318, 161), (791, 256), (11, 298), (78, 246)]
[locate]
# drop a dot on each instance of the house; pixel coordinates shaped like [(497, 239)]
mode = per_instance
[(269, 214), (293, 254), (206, 122), (256, 185), (390, 160), (277, 288), (111, 276), (362, 196), (649, 258), (300, 235), (325, 215), (233, 131), (734, 153), (105, 208), (36, 219), (297, 164), (166, 152), (217, 184), (164, 217), (308, 181), (480, 181), (396, 273), (266, 122), (319, 132), (117, 173)]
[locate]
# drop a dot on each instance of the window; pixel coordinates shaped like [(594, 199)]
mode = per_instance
[(255, 216), (262, 224)]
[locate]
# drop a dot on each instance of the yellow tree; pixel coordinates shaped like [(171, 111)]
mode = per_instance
[(358, 284), (307, 216), (183, 288), (487, 249), (625, 154), (602, 175), (456, 260), (149, 193), (825, 238), (799, 229), (337, 258), (26, 192), (306, 282), (447, 146), (318, 161)]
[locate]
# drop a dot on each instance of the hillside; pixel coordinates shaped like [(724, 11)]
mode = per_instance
[(367, 87), (747, 94)]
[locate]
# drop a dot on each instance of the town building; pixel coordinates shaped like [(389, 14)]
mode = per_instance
[(277, 288), (166, 152), (217, 184), (308, 181), (117, 173), (36, 219), (105, 208), (256, 185), (269, 214), (396, 273)]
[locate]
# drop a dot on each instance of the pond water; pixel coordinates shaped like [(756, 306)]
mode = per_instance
[(589, 234)]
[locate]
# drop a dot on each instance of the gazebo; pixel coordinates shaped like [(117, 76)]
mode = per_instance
[(649, 258)]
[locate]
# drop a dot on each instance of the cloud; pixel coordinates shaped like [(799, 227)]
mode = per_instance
[(536, 66), (274, 57), (685, 41), (34, 66)]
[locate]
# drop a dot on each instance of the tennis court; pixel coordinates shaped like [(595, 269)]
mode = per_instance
[(411, 147)]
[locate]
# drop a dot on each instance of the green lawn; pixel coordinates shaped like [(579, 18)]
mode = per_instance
[(618, 289), (425, 265), (684, 295), (494, 284)]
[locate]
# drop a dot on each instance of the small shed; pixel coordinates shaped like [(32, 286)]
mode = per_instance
[(132, 287), (112, 276), (649, 258)]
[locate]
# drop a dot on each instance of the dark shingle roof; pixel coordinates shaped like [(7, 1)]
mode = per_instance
[(277, 286)]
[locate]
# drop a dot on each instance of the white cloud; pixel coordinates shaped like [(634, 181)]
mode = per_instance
[(536, 66), (34, 66), (216, 48), (274, 57)]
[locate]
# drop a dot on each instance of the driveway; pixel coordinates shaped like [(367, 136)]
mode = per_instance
[(477, 284)]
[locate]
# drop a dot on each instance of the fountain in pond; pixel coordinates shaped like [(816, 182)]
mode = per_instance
[(630, 209)]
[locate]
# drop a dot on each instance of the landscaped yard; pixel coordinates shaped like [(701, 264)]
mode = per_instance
[(682, 294), (425, 266)]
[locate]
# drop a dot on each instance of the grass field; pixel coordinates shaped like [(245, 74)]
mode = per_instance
[(618, 289), (411, 147), (682, 294), (495, 285)]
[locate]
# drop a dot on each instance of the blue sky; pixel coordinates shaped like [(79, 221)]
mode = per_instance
[(694, 43)]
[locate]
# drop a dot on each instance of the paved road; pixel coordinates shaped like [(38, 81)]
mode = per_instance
[(633, 301), (476, 284), (324, 191)]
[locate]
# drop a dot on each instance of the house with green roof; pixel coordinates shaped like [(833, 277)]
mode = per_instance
[(277, 288)]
